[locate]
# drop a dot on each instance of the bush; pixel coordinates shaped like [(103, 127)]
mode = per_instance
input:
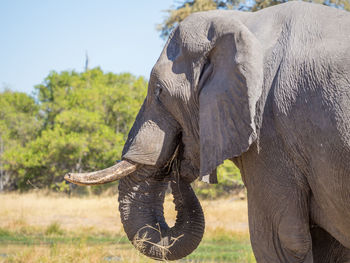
[(230, 182), (54, 229)]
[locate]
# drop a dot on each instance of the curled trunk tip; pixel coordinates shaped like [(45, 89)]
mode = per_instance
[(141, 210)]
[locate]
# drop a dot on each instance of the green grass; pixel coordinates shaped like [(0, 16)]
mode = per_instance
[(54, 235), (218, 247), (221, 246), (54, 229)]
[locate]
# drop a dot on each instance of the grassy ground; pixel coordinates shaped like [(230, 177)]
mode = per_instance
[(37, 227)]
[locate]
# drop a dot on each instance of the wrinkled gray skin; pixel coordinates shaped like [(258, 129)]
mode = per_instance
[(269, 90)]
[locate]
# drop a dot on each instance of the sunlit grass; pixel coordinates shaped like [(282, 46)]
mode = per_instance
[(37, 227)]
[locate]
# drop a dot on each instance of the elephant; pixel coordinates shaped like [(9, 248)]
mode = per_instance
[(268, 90)]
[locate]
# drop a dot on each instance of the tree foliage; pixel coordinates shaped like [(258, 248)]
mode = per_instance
[(77, 122), (229, 178), (178, 13), (18, 123)]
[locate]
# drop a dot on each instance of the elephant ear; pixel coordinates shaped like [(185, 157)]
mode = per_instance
[(230, 86)]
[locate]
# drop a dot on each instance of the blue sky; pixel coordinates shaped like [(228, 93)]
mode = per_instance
[(38, 36)]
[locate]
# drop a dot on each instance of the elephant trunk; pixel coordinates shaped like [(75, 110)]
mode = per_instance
[(141, 209)]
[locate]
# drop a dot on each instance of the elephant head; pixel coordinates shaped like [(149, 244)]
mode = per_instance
[(199, 111)]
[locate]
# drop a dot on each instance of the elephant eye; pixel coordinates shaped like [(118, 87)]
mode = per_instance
[(158, 91)]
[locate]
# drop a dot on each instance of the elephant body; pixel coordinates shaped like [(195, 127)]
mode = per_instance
[(297, 172), (269, 90)]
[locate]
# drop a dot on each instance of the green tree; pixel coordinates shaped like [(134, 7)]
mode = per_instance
[(230, 181), (84, 121), (18, 125), (179, 12), (18, 118)]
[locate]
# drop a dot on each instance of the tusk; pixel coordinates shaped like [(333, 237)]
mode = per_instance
[(104, 176)]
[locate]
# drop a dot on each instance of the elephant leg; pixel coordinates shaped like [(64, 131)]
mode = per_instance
[(278, 209), (280, 234), (279, 228), (278, 203), (326, 249)]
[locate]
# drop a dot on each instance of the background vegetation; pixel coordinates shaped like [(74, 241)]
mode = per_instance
[(73, 122)]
